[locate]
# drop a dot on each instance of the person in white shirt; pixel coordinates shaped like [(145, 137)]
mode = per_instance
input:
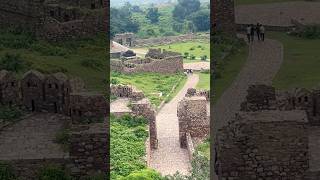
[(248, 33)]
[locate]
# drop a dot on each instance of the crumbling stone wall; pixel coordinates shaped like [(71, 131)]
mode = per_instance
[(87, 107), (144, 108), (262, 97), (263, 145), (126, 91), (193, 118), (89, 149), (194, 92), (55, 20), (126, 39), (9, 88), (160, 62), (223, 15)]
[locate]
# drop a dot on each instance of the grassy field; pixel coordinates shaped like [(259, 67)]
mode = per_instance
[(301, 62), (84, 58), (204, 81), (152, 84), (197, 49), (228, 71), (245, 2)]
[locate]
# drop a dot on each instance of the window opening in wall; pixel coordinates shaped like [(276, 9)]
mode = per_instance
[(50, 86), (56, 85), (306, 99), (66, 17), (28, 84), (55, 107), (93, 5), (12, 84), (52, 13)]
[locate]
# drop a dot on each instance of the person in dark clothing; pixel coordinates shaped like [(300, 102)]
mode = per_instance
[(252, 32), (258, 31)]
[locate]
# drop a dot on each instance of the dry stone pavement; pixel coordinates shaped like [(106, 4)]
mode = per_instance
[(32, 138), (169, 157)]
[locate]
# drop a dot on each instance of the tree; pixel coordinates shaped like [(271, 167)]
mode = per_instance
[(201, 20), (153, 15), (184, 8)]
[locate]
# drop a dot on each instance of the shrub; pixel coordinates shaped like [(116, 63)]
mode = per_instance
[(186, 54), (63, 138), (204, 57), (192, 57), (53, 172), (12, 62), (9, 113), (6, 172), (145, 174), (48, 50), (114, 81), (192, 48)]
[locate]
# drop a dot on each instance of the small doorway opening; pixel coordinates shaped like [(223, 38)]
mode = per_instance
[(55, 107), (33, 107)]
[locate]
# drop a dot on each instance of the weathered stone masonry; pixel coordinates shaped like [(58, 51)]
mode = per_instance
[(55, 20), (223, 16)]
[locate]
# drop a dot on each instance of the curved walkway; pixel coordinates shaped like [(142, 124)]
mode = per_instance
[(169, 157), (263, 63)]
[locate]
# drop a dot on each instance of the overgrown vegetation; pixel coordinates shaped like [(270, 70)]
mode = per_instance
[(308, 32), (6, 172), (10, 113), (84, 58), (127, 145), (53, 172), (155, 86), (204, 80), (63, 138), (230, 54), (165, 20)]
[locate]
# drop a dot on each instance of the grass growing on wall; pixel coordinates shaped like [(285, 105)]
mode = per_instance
[(152, 84), (84, 58)]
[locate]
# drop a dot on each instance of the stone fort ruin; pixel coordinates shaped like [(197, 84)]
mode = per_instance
[(274, 136), (155, 61), (223, 16), (54, 99), (55, 19), (53, 93)]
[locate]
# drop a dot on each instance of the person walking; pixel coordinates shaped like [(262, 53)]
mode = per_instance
[(252, 32), (262, 32), (248, 33), (258, 31)]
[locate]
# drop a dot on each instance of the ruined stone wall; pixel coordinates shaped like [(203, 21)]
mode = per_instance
[(144, 108), (192, 117), (223, 16), (126, 39), (89, 150), (264, 145), (87, 107), (126, 92), (194, 92), (262, 97), (9, 88)]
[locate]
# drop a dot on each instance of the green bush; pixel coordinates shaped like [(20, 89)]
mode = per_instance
[(9, 113), (16, 40), (12, 62), (114, 81), (6, 172), (186, 55), (53, 172), (204, 57), (310, 32), (145, 174), (48, 50)]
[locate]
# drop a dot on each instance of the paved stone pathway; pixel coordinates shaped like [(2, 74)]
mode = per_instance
[(32, 138), (263, 63), (169, 157), (279, 14)]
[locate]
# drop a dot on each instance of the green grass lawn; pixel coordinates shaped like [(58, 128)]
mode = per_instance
[(246, 2), (204, 148), (152, 84), (84, 58), (195, 48), (204, 81), (301, 62), (228, 70)]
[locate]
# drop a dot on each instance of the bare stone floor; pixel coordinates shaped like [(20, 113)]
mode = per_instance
[(279, 14), (120, 105), (32, 138), (169, 157), (197, 66)]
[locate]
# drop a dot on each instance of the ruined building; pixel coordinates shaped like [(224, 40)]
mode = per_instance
[(155, 61), (274, 136), (55, 19), (125, 39), (223, 16), (54, 93)]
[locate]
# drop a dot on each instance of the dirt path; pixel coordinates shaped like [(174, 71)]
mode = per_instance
[(169, 157), (263, 63)]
